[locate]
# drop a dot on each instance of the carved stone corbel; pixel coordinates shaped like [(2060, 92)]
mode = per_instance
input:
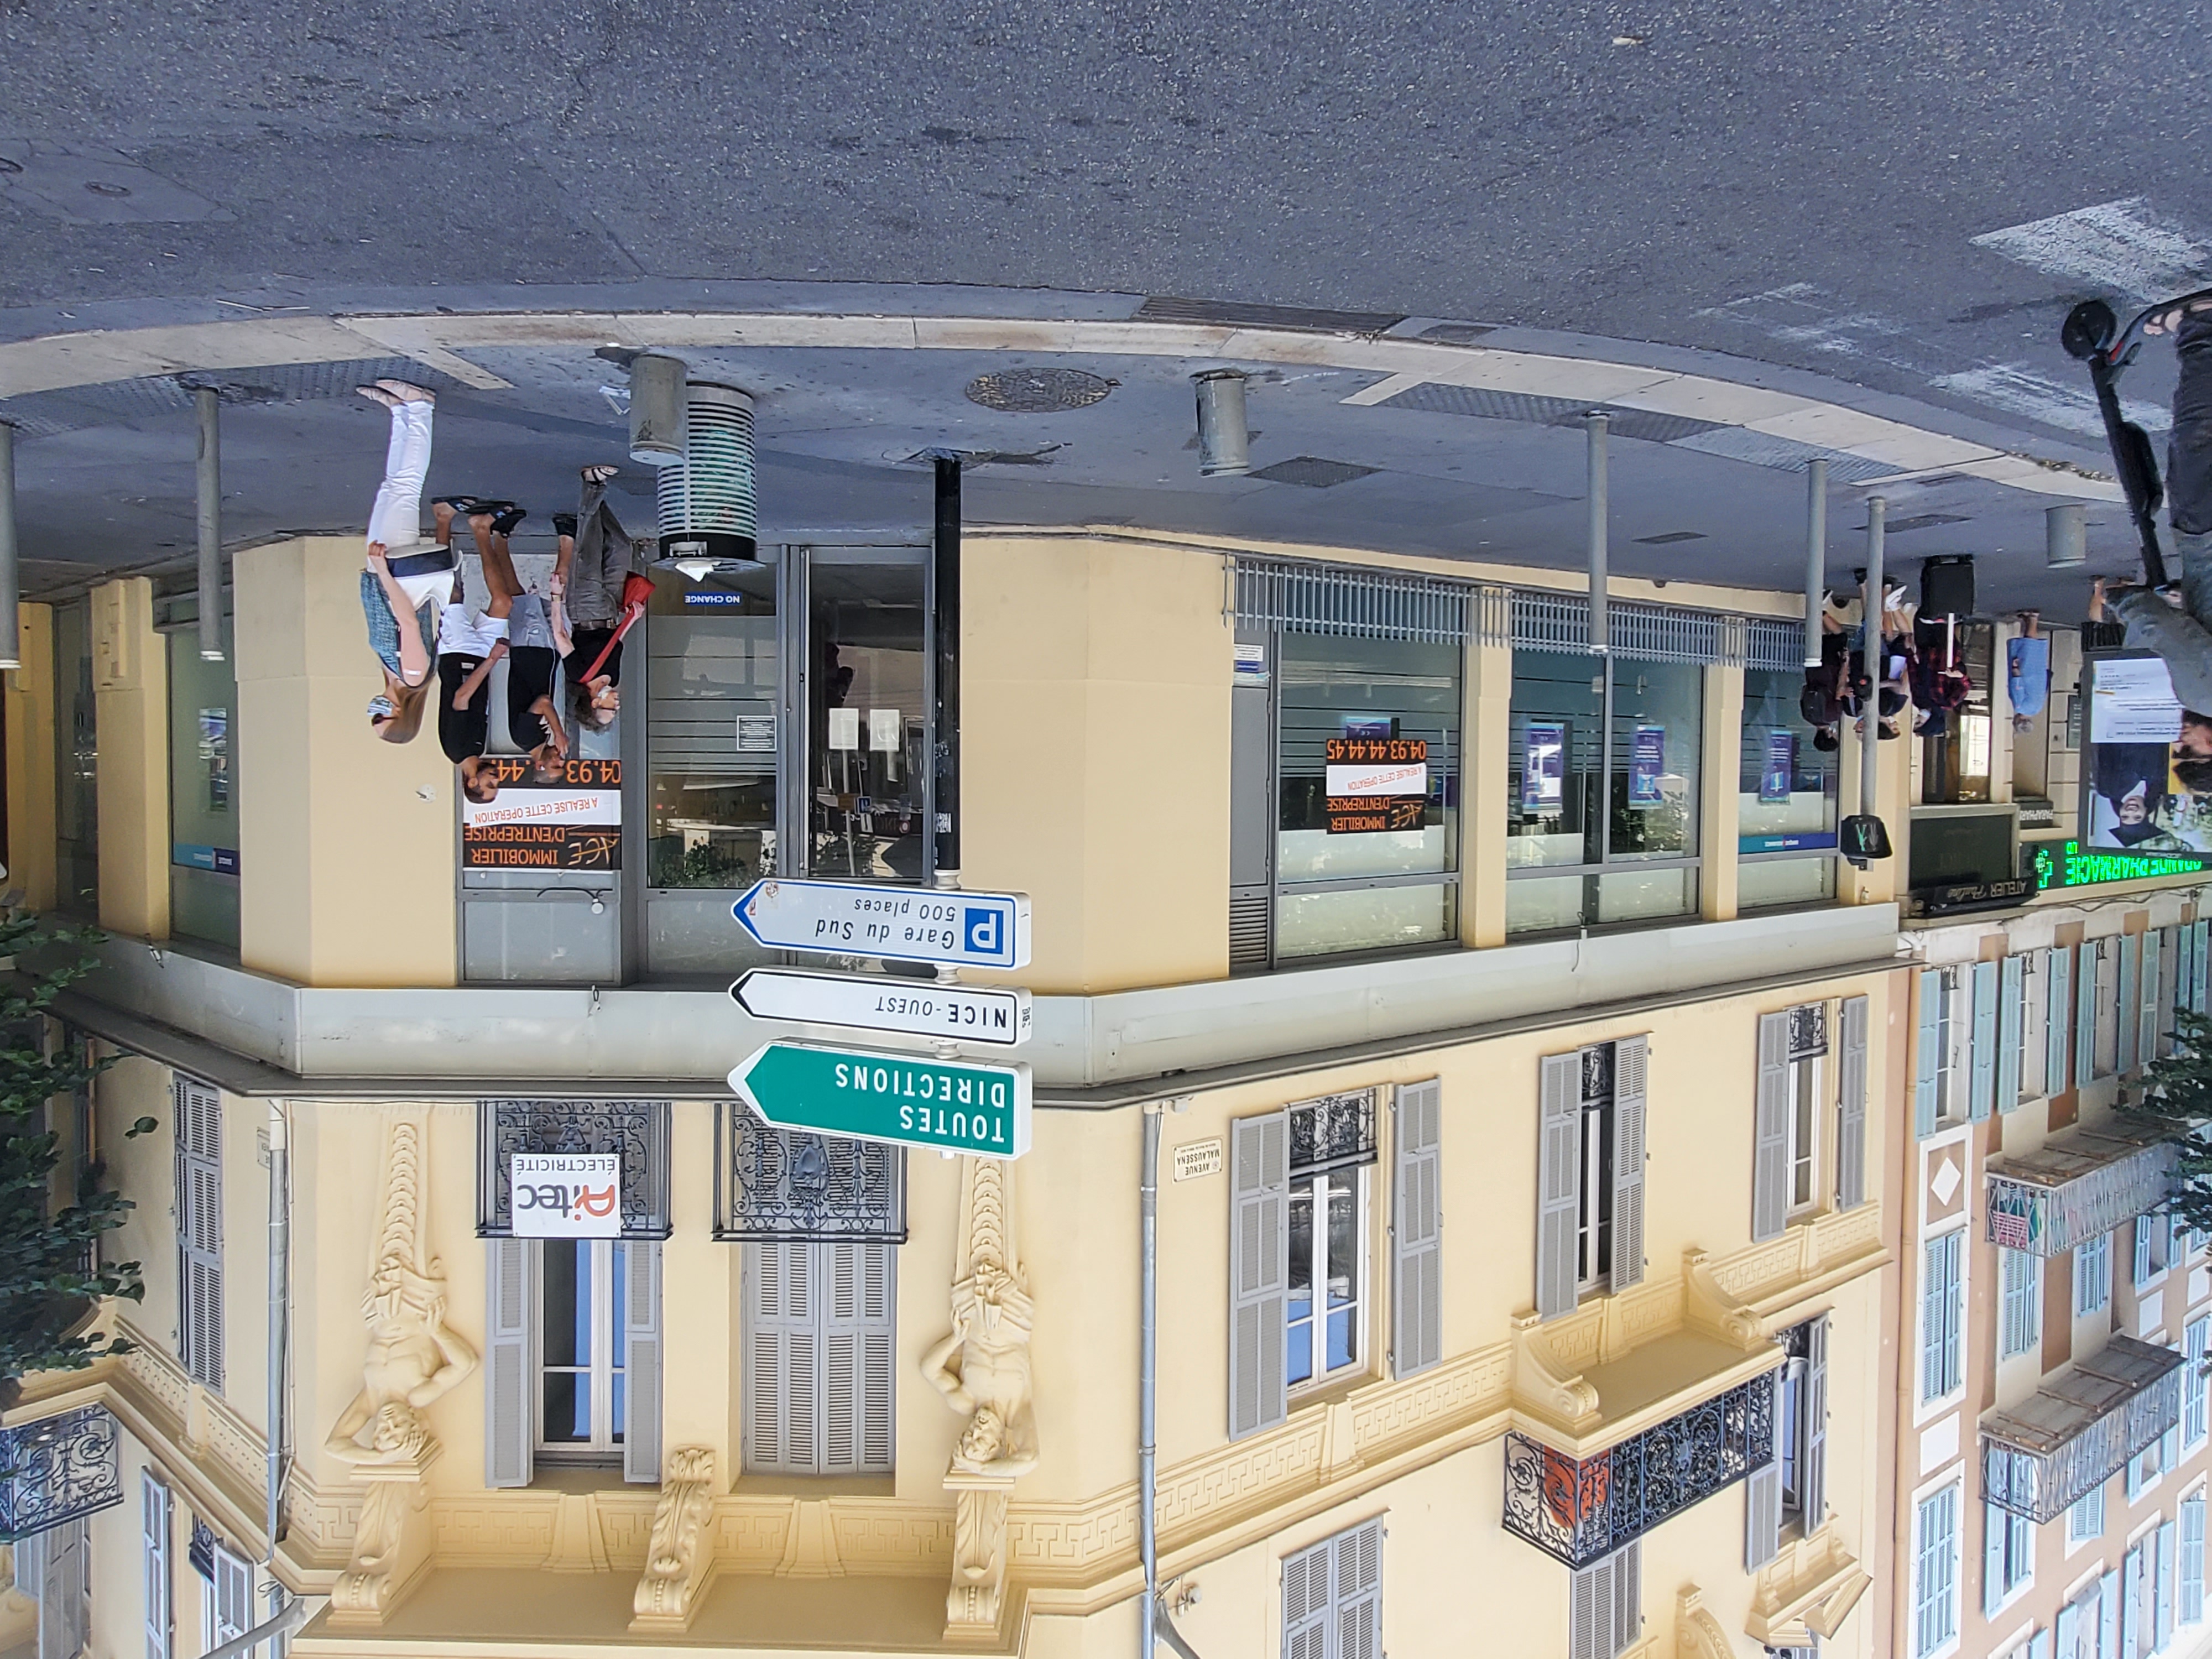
[(1711, 1308), (1698, 1634), (1543, 1383), (390, 1545), (982, 1369), (680, 1549)]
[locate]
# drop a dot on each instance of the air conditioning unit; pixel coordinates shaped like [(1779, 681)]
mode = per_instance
[(706, 501)]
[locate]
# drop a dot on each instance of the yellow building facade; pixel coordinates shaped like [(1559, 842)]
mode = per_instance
[(1539, 1198)]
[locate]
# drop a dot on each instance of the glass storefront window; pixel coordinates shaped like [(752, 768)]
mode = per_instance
[(1361, 873), (868, 716), (1624, 732), (711, 736), (203, 795), (77, 806), (1786, 798)]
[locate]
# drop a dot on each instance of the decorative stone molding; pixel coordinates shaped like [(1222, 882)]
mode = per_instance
[(1805, 1591), (1698, 1634), (413, 1358), (982, 1369), (1710, 1306), (681, 1550)]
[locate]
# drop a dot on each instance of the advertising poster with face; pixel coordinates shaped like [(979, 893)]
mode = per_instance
[(569, 821), (2146, 762)]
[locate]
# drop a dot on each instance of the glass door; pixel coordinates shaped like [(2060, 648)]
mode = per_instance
[(868, 713)]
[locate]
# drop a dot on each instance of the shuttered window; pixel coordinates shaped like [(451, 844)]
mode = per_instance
[(1982, 1060), (1851, 1109), (2089, 966), (1935, 1572), (1605, 1614), (1591, 1108), (55, 1567), (2135, 1580), (154, 1513), (2020, 1316), (2150, 947), (2085, 1518), (2012, 1011), (2162, 1595), (1941, 1297), (1416, 1231), (820, 1329), (2168, 940), (198, 1117), (2197, 1338), (226, 1604), (2008, 1557), (1332, 1596), (2111, 991), (2093, 1275), (2200, 966), (1558, 1184), (1770, 1163), (1932, 1036), (1259, 1272), (2191, 1608), (1789, 1497), (2059, 1022), (2129, 1019), (1630, 1067), (510, 1376)]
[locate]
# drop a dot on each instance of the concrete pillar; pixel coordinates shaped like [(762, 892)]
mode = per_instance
[(28, 706), (1718, 769), (699, 1276), (1487, 709), (349, 853), (130, 694), (1883, 881)]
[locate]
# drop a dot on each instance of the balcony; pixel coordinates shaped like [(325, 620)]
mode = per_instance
[(58, 1470), (2077, 1186), (1581, 1510), (2078, 1430)]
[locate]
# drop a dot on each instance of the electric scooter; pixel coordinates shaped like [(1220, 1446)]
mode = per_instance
[(2092, 333)]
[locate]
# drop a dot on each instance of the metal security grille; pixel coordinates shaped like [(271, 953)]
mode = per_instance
[(637, 1129), (1365, 604), (786, 1184), (1649, 633), (1773, 644)]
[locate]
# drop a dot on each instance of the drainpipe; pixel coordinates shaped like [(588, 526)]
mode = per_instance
[(1600, 633), (280, 1296), (207, 405), (945, 584), (1873, 656), (1816, 556), (10, 629), (242, 1647), (1153, 1624)]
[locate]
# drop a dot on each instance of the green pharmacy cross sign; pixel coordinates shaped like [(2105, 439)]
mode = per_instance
[(949, 1106)]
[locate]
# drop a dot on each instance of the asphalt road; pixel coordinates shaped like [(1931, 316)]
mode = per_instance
[(1798, 183)]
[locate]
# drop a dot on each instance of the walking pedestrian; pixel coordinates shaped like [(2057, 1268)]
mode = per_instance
[(468, 642), (405, 576)]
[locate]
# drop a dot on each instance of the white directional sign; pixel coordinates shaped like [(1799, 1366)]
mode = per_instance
[(936, 925), (875, 1002)]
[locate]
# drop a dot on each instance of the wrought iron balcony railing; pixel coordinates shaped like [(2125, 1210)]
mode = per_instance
[(59, 1469), (2078, 1430), (1581, 1510)]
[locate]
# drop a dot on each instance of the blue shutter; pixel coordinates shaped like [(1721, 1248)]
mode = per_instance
[(2087, 961), (2012, 1014), (1927, 1063), (2130, 1001), (2192, 1558), (2059, 1022), (1982, 1067)]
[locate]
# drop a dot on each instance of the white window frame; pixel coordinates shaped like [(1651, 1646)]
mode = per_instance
[(1953, 1376), (1805, 1122), (1935, 1595), (2151, 1238), (2085, 1518), (2016, 1554), (607, 1359), (2196, 1420), (1313, 1190), (2019, 1307), (1594, 1211), (2092, 1275)]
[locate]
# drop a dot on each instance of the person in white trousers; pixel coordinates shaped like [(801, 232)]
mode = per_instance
[(407, 576)]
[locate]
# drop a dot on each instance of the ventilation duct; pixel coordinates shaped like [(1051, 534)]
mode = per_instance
[(706, 500)]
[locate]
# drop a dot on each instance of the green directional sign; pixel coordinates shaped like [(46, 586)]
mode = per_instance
[(951, 1106)]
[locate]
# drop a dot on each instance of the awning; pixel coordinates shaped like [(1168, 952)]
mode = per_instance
[(2079, 1430), (2076, 1187)]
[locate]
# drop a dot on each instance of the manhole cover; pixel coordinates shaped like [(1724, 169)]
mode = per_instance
[(1038, 390)]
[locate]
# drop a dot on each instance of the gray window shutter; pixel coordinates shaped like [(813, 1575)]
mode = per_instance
[(1812, 1480), (1591, 1615), (2184, 966), (1416, 1230), (2059, 1022), (1627, 1596), (2012, 1014), (2145, 1013), (1927, 1063), (1993, 1543), (510, 1374), (2169, 990), (2165, 1595), (854, 1293), (59, 1562), (198, 1117), (1558, 1181), (155, 1525), (1306, 1603), (1770, 1136), (1357, 1593), (641, 1362), (782, 1378), (1631, 1066), (1259, 1272), (233, 1595), (2129, 1002), (1982, 1064), (1851, 1119), (1762, 1508), (2087, 960), (2200, 967)]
